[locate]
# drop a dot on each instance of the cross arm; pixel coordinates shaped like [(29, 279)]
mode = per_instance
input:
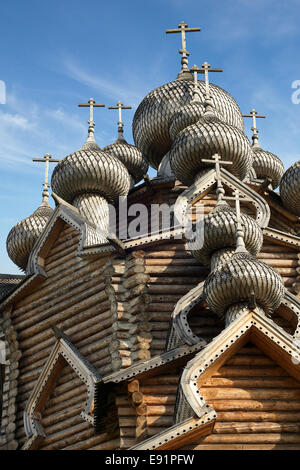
[(118, 107), (43, 160), (214, 161), (256, 115), (187, 30), (82, 105), (202, 70)]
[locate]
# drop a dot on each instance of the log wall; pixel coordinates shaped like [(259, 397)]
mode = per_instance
[(257, 404), (76, 298), (116, 311)]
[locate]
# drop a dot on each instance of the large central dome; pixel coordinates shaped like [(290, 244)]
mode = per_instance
[(152, 117)]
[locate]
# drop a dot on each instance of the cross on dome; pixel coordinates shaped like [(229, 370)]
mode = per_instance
[(237, 197), (120, 106), (254, 115), (91, 104), (216, 159), (183, 29), (46, 159), (205, 69)]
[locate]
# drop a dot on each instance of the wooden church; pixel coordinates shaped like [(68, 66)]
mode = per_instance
[(149, 339)]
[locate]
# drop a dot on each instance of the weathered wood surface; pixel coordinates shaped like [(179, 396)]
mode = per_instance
[(117, 312), (257, 404)]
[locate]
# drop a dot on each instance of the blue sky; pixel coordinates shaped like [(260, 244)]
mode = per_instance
[(54, 55)]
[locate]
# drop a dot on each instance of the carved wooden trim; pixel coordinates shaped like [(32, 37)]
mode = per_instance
[(62, 352), (180, 331), (179, 435), (283, 238), (199, 189), (250, 325)]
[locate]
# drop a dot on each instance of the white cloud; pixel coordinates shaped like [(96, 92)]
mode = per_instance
[(131, 91)]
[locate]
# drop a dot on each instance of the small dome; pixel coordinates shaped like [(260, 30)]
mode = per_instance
[(235, 281), (25, 233), (204, 139), (88, 171), (220, 233), (290, 189), (267, 165), (186, 116), (152, 118), (130, 156)]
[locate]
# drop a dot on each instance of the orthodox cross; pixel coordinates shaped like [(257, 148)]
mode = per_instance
[(205, 69), (46, 159), (196, 93), (183, 28), (91, 104), (240, 244), (254, 114), (120, 106), (216, 159)]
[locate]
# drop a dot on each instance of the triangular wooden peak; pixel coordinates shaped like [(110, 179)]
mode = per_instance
[(198, 190), (89, 236), (194, 416), (62, 352)]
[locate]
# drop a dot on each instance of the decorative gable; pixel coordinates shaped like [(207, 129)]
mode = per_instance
[(63, 352)]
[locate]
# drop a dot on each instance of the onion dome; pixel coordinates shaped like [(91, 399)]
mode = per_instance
[(152, 117), (290, 189), (88, 176), (128, 154), (220, 232), (131, 157), (267, 165), (239, 279), (24, 234), (202, 140), (89, 179)]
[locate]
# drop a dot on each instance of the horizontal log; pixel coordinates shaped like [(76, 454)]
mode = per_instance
[(241, 360), (95, 312), (40, 321), (152, 410), (259, 416), (177, 270), (53, 428), (283, 438), (96, 443), (161, 380), (51, 284), (262, 382), (250, 371), (252, 427), (159, 389), (67, 437), (253, 393), (42, 332), (254, 405)]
